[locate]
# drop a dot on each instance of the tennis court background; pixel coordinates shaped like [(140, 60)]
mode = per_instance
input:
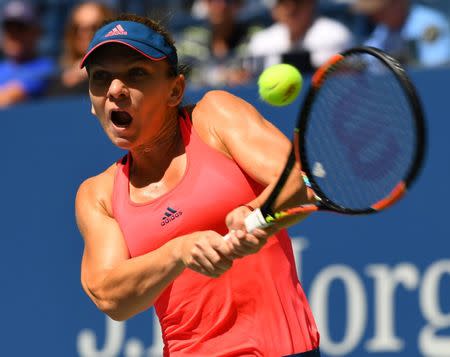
[(379, 285)]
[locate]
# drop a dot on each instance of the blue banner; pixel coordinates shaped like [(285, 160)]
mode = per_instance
[(378, 285)]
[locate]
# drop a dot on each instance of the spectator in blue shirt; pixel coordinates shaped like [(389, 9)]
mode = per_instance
[(23, 74), (413, 33)]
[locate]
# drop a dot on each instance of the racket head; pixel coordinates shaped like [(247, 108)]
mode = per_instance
[(361, 135)]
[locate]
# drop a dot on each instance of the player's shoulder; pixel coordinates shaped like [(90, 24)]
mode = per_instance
[(216, 97), (222, 100), (104, 177), (220, 114), (222, 107), (98, 188)]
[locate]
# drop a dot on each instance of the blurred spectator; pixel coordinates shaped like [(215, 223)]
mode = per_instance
[(84, 20), (413, 33), (299, 36), (199, 8), (23, 74), (211, 51)]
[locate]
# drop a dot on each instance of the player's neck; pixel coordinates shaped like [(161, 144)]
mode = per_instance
[(151, 160)]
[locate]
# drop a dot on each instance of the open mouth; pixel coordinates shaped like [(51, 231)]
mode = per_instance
[(121, 119)]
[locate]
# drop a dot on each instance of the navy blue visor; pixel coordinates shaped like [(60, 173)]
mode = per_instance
[(135, 35)]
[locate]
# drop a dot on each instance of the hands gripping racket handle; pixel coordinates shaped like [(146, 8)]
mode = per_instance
[(253, 221)]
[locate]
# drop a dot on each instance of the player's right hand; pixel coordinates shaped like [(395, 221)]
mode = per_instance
[(205, 252)]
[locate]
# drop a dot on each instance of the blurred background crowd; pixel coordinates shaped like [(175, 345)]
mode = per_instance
[(221, 43)]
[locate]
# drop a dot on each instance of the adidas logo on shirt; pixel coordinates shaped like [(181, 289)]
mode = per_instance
[(117, 30), (170, 215)]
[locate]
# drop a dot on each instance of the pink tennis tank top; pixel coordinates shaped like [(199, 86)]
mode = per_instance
[(258, 307)]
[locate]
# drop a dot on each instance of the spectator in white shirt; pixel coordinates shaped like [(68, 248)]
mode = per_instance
[(298, 29)]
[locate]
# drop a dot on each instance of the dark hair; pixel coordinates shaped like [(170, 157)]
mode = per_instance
[(156, 26)]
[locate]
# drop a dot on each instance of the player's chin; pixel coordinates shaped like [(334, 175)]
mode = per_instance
[(121, 141), (123, 144)]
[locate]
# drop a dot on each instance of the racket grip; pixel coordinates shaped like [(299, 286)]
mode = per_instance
[(253, 221)]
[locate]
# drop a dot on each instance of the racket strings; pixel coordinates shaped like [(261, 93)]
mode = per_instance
[(360, 135)]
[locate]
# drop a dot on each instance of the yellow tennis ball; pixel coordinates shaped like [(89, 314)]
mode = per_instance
[(280, 84)]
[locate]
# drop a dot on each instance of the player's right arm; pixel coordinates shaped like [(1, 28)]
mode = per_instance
[(122, 286)]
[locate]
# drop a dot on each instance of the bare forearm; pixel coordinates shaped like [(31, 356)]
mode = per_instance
[(134, 285), (293, 194)]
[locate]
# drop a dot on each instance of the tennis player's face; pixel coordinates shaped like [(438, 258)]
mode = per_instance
[(131, 95)]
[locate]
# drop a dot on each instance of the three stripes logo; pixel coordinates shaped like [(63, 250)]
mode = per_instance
[(170, 215), (117, 30)]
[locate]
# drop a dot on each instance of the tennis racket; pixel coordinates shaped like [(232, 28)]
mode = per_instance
[(360, 138)]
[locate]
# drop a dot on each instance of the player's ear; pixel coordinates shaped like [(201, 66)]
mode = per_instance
[(177, 91)]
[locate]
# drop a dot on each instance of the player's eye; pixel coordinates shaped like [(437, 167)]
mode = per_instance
[(137, 73), (100, 76)]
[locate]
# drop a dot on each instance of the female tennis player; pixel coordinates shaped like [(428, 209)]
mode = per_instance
[(153, 222)]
